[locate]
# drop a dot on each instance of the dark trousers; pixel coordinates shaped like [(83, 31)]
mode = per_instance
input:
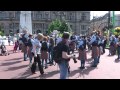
[(118, 52), (82, 63), (37, 60), (51, 55), (103, 48)]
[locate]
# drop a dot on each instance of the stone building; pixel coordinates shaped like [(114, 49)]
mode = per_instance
[(79, 21), (99, 23)]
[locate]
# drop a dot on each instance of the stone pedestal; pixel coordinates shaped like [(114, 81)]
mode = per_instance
[(25, 21)]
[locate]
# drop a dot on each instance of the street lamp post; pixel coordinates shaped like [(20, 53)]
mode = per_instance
[(93, 23), (108, 20), (75, 21), (108, 26)]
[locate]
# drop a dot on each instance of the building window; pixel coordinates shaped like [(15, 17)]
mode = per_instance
[(34, 25), (17, 15), (2, 15), (2, 25), (16, 26), (54, 15), (10, 26), (82, 32), (39, 15), (83, 27), (71, 26), (46, 15), (83, 17)]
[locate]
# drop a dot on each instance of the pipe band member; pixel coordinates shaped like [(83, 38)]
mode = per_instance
[(82, 53), (95, 49), (118, 48)]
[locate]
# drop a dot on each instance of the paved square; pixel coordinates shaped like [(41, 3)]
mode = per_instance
[(13, 67)]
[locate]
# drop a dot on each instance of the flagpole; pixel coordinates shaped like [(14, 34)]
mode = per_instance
[(113, 20)]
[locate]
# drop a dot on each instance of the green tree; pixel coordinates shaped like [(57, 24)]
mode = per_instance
[(64, 27), (1, 32), (61, 26), (55, 25)]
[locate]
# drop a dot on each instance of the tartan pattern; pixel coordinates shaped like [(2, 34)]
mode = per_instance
[(29, 51), (95, 51), (112, 49), (82, 55), (44, 54)]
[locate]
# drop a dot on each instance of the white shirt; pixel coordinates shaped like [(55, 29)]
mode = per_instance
[(58, 40), (36, 47)]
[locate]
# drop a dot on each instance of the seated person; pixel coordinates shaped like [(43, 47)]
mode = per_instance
[(3, 49)]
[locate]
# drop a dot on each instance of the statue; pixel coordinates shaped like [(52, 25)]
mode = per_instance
[(25, 21)]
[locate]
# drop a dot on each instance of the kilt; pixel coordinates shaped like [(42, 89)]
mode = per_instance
[(44, 54), (95, 51), (30, 51), (112, 49), (24, 48), (82, 55)]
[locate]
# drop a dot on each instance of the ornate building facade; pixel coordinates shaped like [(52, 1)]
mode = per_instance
[(100, 23), (79, 21)]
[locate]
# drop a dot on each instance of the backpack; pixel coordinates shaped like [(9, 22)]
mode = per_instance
[(57, 53), (24, 40), (29, 43), (3, 48), (44, 46), (72, 38)]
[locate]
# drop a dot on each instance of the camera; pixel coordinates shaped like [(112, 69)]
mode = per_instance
[(74, 59)]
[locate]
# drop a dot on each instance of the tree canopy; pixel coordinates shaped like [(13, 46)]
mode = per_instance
[(1, 32), (61, 26)]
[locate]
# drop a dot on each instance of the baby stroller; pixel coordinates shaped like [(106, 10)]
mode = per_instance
[(3, 50)]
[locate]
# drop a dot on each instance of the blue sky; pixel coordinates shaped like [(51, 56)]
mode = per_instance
[(100, 13)]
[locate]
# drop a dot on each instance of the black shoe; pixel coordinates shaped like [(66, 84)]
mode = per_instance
[(94, 66), (68, 72), (82, 67), (51, 64), (48, 62), (42, 73), (34, 73), (46, 67)]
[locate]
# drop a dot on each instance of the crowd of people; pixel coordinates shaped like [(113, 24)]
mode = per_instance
[(42, 50)]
